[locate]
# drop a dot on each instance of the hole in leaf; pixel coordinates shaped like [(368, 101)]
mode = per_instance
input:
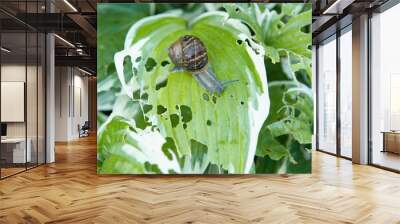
[(241, 102), (198, 151), (237, 9), (251, 46), (305, 29), (164, 63), (136, 95), (161, 84), (184, 126), (174, 120), (177, 107), (214, 99), (209, 123), (144, 96), (186, 113), (141, 121), (150, 64), (169, 147), (239, 42), (147, 108), (297, 112), (161, 109), (135, 71), (206, 97), (138, 59), (128, 69), (152, 168), (252, 33)]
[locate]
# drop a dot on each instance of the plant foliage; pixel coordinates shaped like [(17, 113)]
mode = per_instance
[(155, 121)]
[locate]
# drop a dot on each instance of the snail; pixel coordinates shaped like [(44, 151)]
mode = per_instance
[(188, 53)]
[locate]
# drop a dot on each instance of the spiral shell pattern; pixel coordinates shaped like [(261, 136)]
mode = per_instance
[(193, 55)]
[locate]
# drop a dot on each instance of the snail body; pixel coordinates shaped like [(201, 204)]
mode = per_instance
[(188, 53)]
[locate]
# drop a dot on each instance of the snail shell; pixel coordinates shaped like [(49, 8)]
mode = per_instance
[(189, 53)]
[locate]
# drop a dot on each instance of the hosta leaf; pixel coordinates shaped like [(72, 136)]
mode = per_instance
[(269, 146), (259, 20), (225, 127), (124, 149), (290, 120), (290, 37), (275, 34)]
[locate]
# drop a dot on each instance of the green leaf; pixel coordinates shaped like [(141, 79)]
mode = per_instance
[(111, 133), (269, 146), (258, 19), (236, 116), (292, 9), (270, 28), (290, 37), (124, 149), (290, 120), (114, 20)]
